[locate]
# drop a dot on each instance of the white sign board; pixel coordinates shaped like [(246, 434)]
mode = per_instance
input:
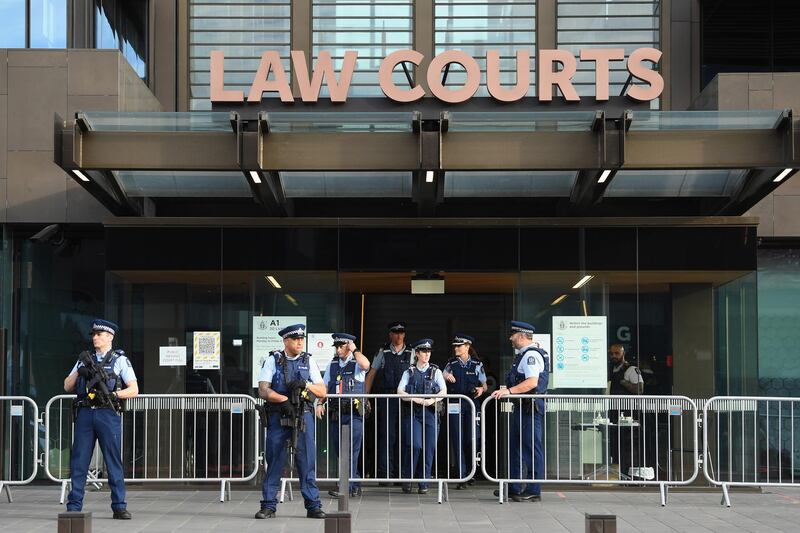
[(542, 340), (580, 344), (320, 346), (205, 355), (172, 355), (266, 339)]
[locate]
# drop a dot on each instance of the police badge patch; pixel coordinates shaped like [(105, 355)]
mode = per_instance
[(531, 360)]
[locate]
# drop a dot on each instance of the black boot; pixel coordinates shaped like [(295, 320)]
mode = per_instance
[(315, 513), (122, 514), (265, 513)]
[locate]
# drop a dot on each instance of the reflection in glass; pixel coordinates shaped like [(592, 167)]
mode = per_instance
[(12, 13), (122, 25), (49, 24)]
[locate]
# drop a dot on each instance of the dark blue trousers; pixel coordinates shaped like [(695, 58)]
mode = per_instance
[(305, 462), (525, 448), (460, 435), (356, 424), (105, 426), (420, 432), (387, 420)]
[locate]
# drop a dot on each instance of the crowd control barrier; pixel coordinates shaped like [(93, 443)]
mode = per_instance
[(19, 427), (750, 441), (389, 443), (619, 440), (194, 438)]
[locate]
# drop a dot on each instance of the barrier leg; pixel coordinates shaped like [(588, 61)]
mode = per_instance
[(501, 492), (664, 491), (283, 489), (7, 488), (726, 499), (63, 491), (444, 492), (224, 490)]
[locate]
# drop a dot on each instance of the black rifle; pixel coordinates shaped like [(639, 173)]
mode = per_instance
[(296, 422), (96, 388)]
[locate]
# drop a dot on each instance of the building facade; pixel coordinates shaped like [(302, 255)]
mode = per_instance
[(127, 193)]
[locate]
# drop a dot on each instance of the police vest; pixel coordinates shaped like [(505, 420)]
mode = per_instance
[(420, 382), (288, 370), (616, 379), (514, 376), (466, 377), (113, 383), (346, 376), (393, 367)]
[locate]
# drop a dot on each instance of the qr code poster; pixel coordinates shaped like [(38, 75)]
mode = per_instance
[(206, 350)]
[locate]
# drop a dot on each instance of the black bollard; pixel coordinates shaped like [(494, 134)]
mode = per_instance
[(601, 523)]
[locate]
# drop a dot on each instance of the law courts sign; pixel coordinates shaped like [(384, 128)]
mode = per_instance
[(271, 77)]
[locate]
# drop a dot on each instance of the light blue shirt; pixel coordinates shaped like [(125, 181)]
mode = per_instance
[(359, 375), (531, 364), (478, 369), (437, 377), (122, 367), (268, 369)]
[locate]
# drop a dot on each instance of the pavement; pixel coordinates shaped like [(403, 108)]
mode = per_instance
[(35, 508)]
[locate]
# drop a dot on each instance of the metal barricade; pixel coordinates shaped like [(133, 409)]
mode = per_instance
[(167, 438), (391, 442), (19, 424), (620, 440), (750, 441)]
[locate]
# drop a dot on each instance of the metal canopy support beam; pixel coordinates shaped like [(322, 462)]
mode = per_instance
[(266, 186), (757, 184), (427, 189), (103, 185)]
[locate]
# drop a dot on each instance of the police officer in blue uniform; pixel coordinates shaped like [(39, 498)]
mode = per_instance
[(346, 374), (97, 421), (420, 418), (393, 358), (464, 375), (282, 373), (529, 374)]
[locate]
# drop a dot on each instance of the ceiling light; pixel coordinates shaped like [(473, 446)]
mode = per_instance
[(273, 282), (559, 299), (604, 176), (291, 299), (583, 281), (785, 172), (429, 176), (255, 176), (80, 175), (585, 309)]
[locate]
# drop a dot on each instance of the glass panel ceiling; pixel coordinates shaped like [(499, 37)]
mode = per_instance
[(675, 183), (336, 122), (346, 184), (184, 184), (534, 121), (195, 121), (459, 184), (705, 120)]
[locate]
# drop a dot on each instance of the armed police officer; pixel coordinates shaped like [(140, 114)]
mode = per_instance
[(346, 375), (421, 419), (101, 380), (464, 375), (529, 374), (392, 359), (290, 384)]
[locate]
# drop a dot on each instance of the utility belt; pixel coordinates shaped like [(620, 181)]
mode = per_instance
[(527, 405), (359, 407), (88, 403), (438, 408)]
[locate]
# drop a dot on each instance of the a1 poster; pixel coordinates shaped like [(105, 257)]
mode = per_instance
[(580, 344), (266, 339)]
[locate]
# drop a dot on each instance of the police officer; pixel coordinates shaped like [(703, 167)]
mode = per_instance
[(98, 421), (420, 420), (464, 375), (346, 375), (281, 374), (529, 374), (393, 358)]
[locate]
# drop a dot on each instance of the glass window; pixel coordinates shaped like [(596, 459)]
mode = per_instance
[(504, 25), (373, 28), (607, 24), (242, 31), (743, 36), (48, 24), (12, 13), (123, 25)]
